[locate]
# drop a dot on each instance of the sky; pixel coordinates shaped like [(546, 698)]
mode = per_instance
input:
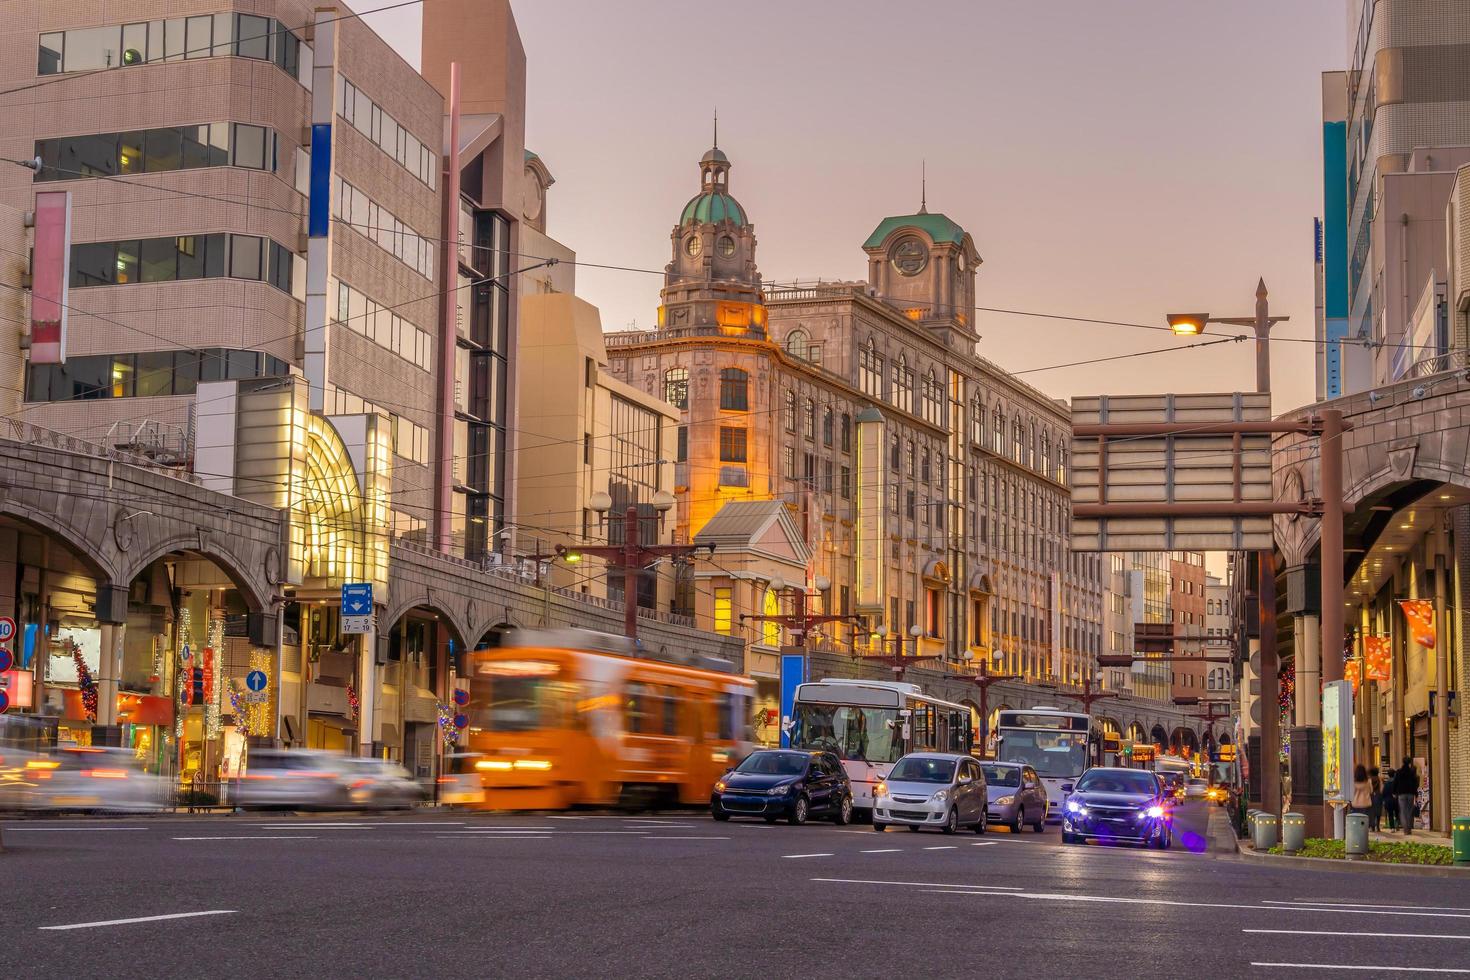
[(1113, 159)]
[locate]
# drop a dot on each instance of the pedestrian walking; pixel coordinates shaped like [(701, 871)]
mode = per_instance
[(1362, 801), (1390, 803), (1405, 789), (1375, 812)]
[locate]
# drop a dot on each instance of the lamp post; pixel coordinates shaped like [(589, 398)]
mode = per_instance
[(801, 622), (631, 554), (1193, 324), (983, 679), (897, 661)]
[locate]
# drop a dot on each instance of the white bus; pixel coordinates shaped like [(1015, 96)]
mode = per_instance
[(870, 725), (1054, 742)]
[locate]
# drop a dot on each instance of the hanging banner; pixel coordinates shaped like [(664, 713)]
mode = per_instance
[(1420, 616), (208, 676), (50, 272), (1352, 670), (1378, 657)]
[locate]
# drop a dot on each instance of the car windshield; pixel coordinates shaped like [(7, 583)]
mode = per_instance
[(774, 764), (1002, 775), (848, 731), (1198, 782), (1116, 781), (1050, 753), (916, 769)]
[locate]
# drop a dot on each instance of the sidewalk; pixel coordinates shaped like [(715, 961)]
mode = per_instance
[(1416, 836)]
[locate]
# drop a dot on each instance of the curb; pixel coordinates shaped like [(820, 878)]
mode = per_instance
[(1372, 867)]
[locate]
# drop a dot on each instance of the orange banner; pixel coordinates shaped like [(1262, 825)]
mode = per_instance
[(1420, 616), (1352, 670), (1378, 657)]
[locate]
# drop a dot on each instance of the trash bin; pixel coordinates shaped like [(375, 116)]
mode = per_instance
[(1355, 836), (1460, 834), (1293, 832), (1264, 836)]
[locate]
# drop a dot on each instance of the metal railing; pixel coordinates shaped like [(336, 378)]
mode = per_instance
[(1454, 360), (30, 434)]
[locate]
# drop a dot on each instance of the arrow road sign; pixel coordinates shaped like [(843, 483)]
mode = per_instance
[(357, 598), (255, 680)]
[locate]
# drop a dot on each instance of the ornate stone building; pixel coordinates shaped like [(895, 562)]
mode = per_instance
[(929, 484)]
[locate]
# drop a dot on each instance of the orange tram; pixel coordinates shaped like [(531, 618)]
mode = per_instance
[(569, 718)]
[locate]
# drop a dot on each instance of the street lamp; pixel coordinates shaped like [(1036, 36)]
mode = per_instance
[(801, 622), (1188, 324)]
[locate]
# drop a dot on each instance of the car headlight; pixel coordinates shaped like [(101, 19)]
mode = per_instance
[(1005, 801), (879, 790), (1074, 807), (940, 796), (1154, 812), (720, 786), (778, 790)]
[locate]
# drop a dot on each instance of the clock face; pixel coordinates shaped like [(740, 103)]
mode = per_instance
[(962, 261), (693, 246), (910, 257), (727, 246)]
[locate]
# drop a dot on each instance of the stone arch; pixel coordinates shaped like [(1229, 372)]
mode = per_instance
[(1135, 731), (1109, 725), (1157, 735), (96, 555), (253, 586), (490, 634), (401, 607), (1186, 739)]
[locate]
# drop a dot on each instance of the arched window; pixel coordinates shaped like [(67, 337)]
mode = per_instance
[(827, 426), (1018, 441), (933, 408), (998, 432), (771, 630), (870, 375), (846, 432), (790, 411), (734, 390), (676, 387), (977, 420), (809, 420), (903, 385), (1045, 454), (796, 344)]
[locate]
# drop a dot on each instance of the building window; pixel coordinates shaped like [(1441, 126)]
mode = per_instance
[(676, 387), (826, 476), (998, 432), (796, 342), (895, 454), (378, 323), (184, 257), (910, 470), (933, 399), (846, 431), (845, 483), (924, 472), (790, 411), (147, 374), (827, 427), (977, 421), (157, 150), (732, 445), (933, 612), (903, 385), (723, 606), (377, 224), (734, 390), (870, 374), (809, 420), (683, 446), (354, 106), (771, 629), (809, 470), (241, 35), (788, 462)]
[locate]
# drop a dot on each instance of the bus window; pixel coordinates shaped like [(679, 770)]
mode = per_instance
[(516, 697), (923, 726), (848, 731)]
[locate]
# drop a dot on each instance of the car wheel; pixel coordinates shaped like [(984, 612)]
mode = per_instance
[(799, 811), (952, 822), (984, 823), (1020, 816), (1039, 826), (843, 816), (1166, 839), (878, 826), (719, 813)]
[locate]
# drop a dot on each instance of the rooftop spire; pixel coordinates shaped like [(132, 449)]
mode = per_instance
[(717, 127), (923, 186)]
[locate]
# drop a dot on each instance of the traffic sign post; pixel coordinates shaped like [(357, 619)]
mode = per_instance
[(7, 629), (7, 660), (357, 607), (255, 688)]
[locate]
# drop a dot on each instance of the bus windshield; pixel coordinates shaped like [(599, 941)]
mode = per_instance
[(849, 731), (1050, 753)]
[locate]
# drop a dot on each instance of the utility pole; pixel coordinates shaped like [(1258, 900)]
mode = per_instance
[(801, 622), (983, 679), (633, 555)]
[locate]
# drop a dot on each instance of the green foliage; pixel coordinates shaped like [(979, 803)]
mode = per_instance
[(197, 797), (1391, 852)]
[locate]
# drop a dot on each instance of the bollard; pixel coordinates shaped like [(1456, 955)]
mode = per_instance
[(1264, 837), (1293, 832), (1460, 836), (1250, 823), (1355, 837)]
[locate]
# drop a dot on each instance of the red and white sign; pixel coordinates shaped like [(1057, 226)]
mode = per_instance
[(51, 271), (7, 629)]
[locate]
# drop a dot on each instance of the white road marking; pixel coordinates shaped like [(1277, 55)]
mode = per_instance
[(920, 884), (884, 850), (1368, 905), (825, 854), (943, 847), (1118, 900), (66, 829), (314, 824), (1374, 935), (251, 837), (299, 826), (1375, 969), (418, 823), (492, 828), (496, 837), (982, 843), (651, 837), (141, 918)]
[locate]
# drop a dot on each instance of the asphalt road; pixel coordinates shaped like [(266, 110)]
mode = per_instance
[(678, 895)]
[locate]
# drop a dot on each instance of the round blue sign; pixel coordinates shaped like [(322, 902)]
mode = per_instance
[(4, 702), (7, 660), (460, 721), (255, 680), (184, 654), (461, 696)]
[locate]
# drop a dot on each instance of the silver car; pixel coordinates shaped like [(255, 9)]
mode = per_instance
[(300, 779), (91, 778), (932, 789), (378, 784), (1016, 795)]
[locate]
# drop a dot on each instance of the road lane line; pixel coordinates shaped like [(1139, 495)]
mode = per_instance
[(1374, 935), (687, 837), (495, 837), (1368, 905), (251, 837), (919, 884), (1375, 969), (825, 854), (883, 850), (55, 830), (983, 843), (141, 918), (1119, 900), (943, 847)]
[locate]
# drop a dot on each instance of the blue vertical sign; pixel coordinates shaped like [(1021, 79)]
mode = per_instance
[(793, 673), (319, 202)]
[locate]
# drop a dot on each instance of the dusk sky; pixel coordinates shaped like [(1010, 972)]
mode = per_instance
[(1113, 160)]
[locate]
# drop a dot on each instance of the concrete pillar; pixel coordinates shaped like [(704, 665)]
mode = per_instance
[(1308, 708), (367, 691), (1399, 632), (109, 667)]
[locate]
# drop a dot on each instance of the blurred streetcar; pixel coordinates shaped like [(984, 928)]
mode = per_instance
[(571, 718)]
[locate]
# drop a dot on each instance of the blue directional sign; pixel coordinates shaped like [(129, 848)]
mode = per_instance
[(255, 680), (357, 598)]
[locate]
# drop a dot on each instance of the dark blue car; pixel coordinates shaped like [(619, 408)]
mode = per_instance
[(1118, 805), (776, 783)]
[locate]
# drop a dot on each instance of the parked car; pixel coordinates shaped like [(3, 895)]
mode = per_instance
[(776, 783), (1119, 805), (379, 784), (1196, 789), (1016, 795), (91, 778), (932, 789), (302, 779)]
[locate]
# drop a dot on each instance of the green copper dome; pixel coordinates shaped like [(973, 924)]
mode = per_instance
[(712, 208)]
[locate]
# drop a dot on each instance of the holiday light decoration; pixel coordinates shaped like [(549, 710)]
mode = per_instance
[(1285, 699), (353, 703), (85, 682), (447, 731), (213, 692)]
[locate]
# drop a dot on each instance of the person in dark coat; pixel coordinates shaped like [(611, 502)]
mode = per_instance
[(1405, 791), (1390, 804), (1375, 809)]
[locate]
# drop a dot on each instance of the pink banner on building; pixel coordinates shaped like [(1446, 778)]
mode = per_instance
[(51, 268)]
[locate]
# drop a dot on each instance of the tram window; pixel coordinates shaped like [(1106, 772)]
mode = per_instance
[(671, 715)]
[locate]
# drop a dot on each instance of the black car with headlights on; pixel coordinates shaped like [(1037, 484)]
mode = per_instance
[(1118, 805), (776, 783)]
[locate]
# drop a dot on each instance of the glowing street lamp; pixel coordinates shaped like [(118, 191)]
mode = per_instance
[(1187, 324)]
